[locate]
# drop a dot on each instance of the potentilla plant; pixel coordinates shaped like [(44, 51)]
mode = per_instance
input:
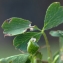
[(26, 37)]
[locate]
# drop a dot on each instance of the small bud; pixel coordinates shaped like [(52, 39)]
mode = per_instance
[(32, 47), (33, 39)]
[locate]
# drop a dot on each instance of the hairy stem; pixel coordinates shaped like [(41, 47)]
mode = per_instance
[(48, 47)]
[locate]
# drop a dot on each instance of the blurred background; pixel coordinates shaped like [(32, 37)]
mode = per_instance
[(33, 10)]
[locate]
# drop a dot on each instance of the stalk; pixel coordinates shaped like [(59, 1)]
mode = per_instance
[(61, 49), (48, 47), (33, 60)]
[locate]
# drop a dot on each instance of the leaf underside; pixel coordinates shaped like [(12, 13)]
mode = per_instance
[(58, 33), (54, 16), (14, 26), (20, 41)]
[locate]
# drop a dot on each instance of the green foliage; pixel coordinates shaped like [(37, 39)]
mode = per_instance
[(55, 33), (56, 59), (38, 55), (14, 26), (20, 41), (21, 58), (58, 33), (54, 16), (18, 27), (32, 47)]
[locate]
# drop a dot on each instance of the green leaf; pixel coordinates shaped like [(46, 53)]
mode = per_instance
[(38, 55), (55, 33), (21, 58), (58, 33), (36, 28), (32, 47), (56, 59), (54, 16), (14, 26), (56, 53), (21, 40)]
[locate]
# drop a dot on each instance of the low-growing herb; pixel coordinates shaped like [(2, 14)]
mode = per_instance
[(27, 40)]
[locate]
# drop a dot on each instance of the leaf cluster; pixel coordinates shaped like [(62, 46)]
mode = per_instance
[(26, 36)]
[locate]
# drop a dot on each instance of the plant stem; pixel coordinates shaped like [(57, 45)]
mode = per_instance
[(48, 47), (33, 60)]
